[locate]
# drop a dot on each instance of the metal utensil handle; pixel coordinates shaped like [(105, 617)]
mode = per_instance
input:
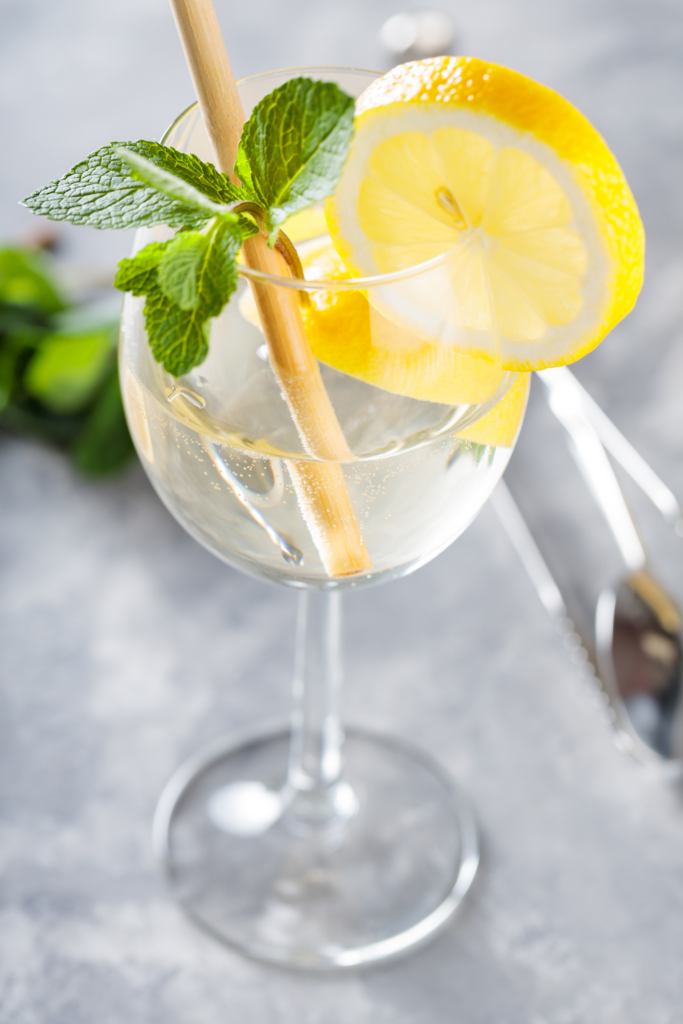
[(514, 524), (531, 558), (616, 444), (596, 469)]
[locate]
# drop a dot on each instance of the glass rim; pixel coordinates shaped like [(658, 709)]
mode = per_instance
[(302, 284)]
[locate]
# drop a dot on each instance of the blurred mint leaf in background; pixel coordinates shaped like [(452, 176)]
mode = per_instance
[(58, 376), (104, 444), (294, 146), (66, 369), (24, 281)]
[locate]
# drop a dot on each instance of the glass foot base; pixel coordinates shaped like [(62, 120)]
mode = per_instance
[(383, 876)]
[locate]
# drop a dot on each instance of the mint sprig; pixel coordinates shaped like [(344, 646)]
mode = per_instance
[(187, 281), (291, 154), (293, 147), (174, 187), (103, 190)]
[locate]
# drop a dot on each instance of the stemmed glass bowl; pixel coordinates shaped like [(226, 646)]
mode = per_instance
[(308, 845)]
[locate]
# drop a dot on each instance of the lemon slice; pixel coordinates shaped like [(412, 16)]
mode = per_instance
[(535, 239)]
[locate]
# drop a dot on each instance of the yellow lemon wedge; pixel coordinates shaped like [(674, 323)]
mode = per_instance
[(347, 333), (534, 238)]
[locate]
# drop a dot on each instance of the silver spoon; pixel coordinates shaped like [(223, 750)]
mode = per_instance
[(640, 659), (638, 642)]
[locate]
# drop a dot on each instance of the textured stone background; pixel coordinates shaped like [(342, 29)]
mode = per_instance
[(124, 646)]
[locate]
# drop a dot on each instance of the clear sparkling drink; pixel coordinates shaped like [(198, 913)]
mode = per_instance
[(222, 451)]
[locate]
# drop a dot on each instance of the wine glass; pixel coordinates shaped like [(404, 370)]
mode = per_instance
[(308, 845)]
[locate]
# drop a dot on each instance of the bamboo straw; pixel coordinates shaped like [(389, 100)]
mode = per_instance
[(320, 487)]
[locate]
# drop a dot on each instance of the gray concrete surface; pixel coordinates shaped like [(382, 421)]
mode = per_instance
[(124, 646)]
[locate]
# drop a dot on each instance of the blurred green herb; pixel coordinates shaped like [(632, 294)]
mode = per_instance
[(57, 382)]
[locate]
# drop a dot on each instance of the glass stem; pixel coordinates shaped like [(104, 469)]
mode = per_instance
[(315, 764)]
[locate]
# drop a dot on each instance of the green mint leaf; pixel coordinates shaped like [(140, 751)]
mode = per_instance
[(138, 274), (9, 358), (294, 145), (102, 190), (25, 281), (243, 170), (217, 276), (179, 269), (171, 185), (103, 445), (178, 338), (67, 369), (187, 281), (203, 176), (247, 226)]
